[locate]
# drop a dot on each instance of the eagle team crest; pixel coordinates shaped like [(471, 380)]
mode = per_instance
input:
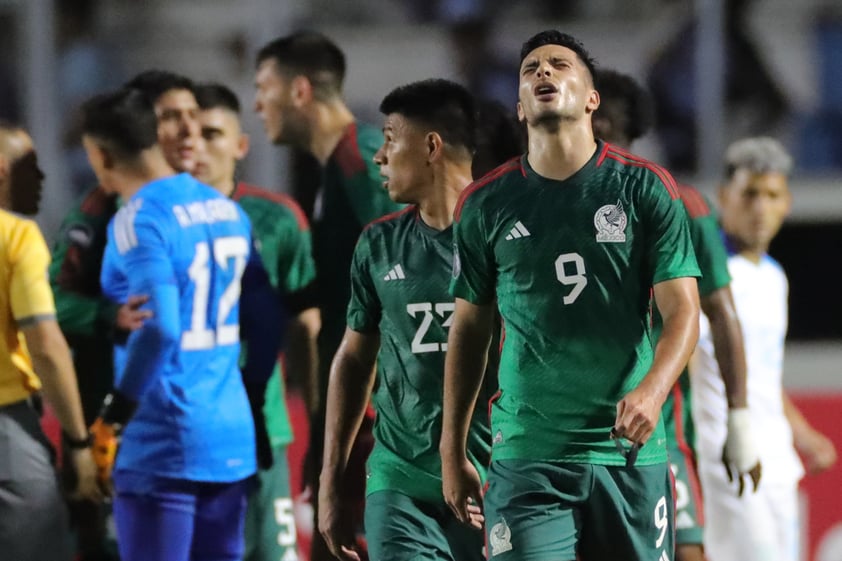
[(610, 222)]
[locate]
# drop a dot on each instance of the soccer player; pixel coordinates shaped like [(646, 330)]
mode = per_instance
[(283, 239), (625, 114), (187, 448), (90, 321), (34, 357), (569, 241), (299, 99), (398, 317), (754, 199)]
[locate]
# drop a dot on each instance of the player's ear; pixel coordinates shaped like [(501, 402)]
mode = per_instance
[(435, 146), (520, 116), (106, 157), (592, 103), (243, 145), (302, 91)]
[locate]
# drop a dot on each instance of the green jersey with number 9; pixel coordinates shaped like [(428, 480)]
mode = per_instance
[(399, 289), (572, 264)]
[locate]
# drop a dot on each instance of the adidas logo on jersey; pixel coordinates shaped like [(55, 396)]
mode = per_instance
[(519, 231), (395, 274)]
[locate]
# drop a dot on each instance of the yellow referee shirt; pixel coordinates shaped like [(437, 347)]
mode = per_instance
[(25, 297)]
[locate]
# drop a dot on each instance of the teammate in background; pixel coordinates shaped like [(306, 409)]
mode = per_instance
[(624, 115), (187, 448), (34, 356), (283, 239), (398, 317), (570, 240), (91, 322), (299, 99), (754, 199)]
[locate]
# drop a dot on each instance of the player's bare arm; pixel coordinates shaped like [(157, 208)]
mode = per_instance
[(52, 361), (351, 381), (467, 352), (739, 455), (817, 450), (638, 412), (302, 355)]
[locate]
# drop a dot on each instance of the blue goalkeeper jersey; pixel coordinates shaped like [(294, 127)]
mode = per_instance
[(185, 246)]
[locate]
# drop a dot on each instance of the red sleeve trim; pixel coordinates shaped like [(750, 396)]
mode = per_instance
[(602, 154), (694, 202), (507, 167), (347, 153), (246, 190), (390, 216), (626, 158)]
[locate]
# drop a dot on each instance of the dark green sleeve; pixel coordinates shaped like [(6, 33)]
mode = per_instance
[(364, 308), (295, 261), (74, 276), (710, 253), (669, 247), (473, 260)]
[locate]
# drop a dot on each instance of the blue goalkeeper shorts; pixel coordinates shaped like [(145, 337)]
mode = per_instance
[(182, 520)]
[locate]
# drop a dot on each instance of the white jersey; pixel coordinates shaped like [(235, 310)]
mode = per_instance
[(760, 294)]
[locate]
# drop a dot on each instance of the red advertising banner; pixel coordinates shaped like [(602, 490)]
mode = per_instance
[(821, 495)]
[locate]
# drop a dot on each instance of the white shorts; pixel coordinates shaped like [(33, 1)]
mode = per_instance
[(759, 526)]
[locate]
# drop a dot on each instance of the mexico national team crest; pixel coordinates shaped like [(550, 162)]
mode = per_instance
[(500, 538), (610, 222)]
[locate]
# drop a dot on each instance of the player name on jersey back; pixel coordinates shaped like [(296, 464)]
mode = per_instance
[(206, 212)]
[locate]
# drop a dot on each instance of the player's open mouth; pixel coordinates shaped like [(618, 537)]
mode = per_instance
[(545, 92)]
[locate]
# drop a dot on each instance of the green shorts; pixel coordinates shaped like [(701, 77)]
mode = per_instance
[(689, 517), (400, 528), (270, 533), (552, 511)]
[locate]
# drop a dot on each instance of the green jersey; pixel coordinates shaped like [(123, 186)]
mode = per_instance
[(713, 263), (572, 264), (352, 196), (282, 237), (399, 289), (86, 317)]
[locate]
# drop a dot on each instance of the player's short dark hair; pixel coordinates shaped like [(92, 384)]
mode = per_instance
[(216, 96), (614, 87), (555, 37), (123, 120), (500, 137), (444, 106), (155, 83), (310, 54)]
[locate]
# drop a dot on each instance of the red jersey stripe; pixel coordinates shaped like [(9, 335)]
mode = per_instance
[(390, 216), (246, 190), (507, 167), (694, 202), (662, 174), (602, 154), (347, 153)]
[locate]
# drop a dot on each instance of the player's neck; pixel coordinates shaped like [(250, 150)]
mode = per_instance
[(754, 255), (329, 123), (437, 207), (559, 153), (149, 167), (225, 186)]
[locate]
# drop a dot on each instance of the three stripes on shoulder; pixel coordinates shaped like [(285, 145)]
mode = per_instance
[(519, 231)]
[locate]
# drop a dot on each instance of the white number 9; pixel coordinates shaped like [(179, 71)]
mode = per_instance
[(661, 520), (577, 279)]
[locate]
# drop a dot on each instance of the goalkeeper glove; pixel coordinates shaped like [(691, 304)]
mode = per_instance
[(116, 411)]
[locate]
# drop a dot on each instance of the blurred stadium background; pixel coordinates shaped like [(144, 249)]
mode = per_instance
[(720, 69)]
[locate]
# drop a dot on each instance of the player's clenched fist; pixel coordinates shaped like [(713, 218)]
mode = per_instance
[(637, 415)]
